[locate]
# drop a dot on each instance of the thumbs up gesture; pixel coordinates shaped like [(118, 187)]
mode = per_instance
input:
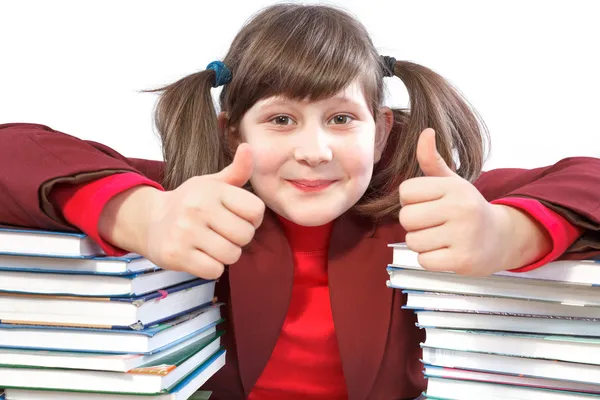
[(449, 223), (204, 223)]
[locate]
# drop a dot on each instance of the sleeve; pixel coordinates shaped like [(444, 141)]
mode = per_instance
[(561, 232), (570, 189), (81, 205), (34, 159)]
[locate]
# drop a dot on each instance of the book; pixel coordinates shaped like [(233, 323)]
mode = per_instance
[(585, 272), (90, 285), (95, 361), (125, 265), (501, 364), (510, 323), (436, 301), (106, 312), (31, 241), (454, 389), (498, 286), (510, 379), (148, 340), (549, 347), (155, 377), (183, 390)]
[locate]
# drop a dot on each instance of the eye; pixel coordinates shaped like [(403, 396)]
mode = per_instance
[(341, 119), (282, 120)]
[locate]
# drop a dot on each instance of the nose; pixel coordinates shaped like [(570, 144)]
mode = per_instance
[(313, 147)]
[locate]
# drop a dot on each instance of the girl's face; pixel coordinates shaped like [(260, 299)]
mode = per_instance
[(314, 160)]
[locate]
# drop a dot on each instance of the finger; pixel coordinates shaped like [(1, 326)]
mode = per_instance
[(233, 228), (436, 260), (244, 204), (452, 260), (430, 161), (240, 170), (419, 190), (216, 246), (414, 217), (427, 240), (202, 265)]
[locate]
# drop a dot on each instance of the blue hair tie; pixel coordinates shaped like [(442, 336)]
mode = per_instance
[(222, 73)]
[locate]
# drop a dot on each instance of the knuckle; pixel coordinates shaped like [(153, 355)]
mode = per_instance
[(212, 271), (424, 262), (247, 235), (409, 239), (228, 254), (234, 255), (257, 212), (404, 216)]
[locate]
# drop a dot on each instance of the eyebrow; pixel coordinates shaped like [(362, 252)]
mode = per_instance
[(281, 101)]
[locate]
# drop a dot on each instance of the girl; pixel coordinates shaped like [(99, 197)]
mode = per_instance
[(298, 185)]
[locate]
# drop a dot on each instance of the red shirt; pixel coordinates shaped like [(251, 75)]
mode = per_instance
[(305, 362)]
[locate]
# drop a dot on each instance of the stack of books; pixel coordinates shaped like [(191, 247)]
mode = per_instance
[(530, 335), (76, 324)]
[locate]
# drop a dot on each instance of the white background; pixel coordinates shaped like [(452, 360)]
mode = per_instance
[(531, 68)]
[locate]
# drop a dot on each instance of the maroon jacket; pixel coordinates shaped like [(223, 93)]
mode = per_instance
[(378, 341)]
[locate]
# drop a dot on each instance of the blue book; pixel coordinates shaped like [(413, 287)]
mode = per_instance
[(32, 241), (106, 312), (21, 341)]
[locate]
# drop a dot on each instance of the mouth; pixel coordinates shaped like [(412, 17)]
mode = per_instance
[(311, 185)]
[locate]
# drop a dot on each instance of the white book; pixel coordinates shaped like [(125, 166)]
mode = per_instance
[(151, 339), (534, 367), (505, 379), (127, 264), (509, 323), (548, 347), (450, 389), (31, 241), (94, 361), (495, 286), (105, 312), (90, 285), (186, 389), (585, 272), (157, 379), (485, 304)]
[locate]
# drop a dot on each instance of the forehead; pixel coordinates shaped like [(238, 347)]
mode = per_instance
[(352, 95)]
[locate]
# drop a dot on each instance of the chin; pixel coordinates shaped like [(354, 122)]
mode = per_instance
[(309, 217)]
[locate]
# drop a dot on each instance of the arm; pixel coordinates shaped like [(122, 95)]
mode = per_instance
[(569, 188), (35, 159)]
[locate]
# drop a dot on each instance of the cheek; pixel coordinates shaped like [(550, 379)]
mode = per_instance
[(357, 158), (267, 163)]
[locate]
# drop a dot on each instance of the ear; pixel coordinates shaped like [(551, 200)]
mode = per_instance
[(231, 139), (383, 126)]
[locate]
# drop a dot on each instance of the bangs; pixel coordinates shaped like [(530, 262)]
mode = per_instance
[(302, 53)]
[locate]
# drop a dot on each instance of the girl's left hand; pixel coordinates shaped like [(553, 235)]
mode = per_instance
[(454, 228)]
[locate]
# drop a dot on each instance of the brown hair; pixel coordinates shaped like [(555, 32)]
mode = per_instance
[(315, 51)]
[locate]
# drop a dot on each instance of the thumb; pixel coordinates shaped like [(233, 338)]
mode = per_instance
[(430, 161), (240, 170)]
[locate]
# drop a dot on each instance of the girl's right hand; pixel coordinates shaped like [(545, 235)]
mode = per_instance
[(199, 227)]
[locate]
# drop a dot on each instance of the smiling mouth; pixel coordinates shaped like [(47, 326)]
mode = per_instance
[(311, 186)]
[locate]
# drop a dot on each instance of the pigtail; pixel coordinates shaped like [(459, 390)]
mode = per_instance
[(461, 136), (434, 103), (187, 123)]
